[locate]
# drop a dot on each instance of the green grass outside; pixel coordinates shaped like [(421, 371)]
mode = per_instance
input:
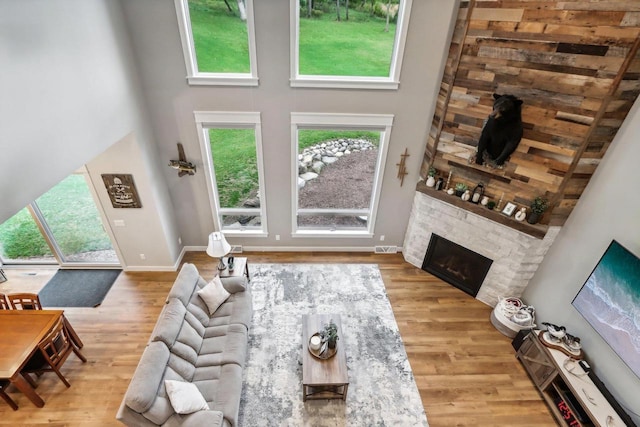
[(235, 165), (20, 238), (72, 217), (220, 37), (357, 47)]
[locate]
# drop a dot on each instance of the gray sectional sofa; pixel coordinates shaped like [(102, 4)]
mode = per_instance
[(188, 344)]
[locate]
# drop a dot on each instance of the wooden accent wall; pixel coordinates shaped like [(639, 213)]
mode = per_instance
[(575, 65)]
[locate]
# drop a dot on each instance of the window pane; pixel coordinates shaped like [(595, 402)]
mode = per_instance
[(360, 43), (74, 221), (21, 240), (345, 165), (220, 36), (236, 168)]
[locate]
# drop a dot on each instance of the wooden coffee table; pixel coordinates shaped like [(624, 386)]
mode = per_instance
[(323, 378)]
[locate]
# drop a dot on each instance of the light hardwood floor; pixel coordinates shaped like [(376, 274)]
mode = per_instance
[(465, 369)]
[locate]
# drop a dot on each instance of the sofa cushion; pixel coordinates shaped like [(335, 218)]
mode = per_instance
[(236, 309), (185, 283), (223, 344), (169, 323), (185, 397), (234, 284), (222, 387), (214, 294), (147, 378)]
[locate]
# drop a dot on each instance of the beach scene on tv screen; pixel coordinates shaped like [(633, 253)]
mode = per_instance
[(610, 302)]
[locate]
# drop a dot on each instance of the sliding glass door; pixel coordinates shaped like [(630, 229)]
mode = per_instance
[(21, 241), (62, 226)]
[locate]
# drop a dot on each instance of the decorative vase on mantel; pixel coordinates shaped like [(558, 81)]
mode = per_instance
[(431, 179)]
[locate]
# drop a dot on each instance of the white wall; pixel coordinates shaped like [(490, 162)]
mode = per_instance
[(608, 209), (69, 90), (156, 41), (65, 92)]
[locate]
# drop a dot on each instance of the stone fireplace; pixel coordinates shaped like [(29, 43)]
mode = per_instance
[(516, 255)]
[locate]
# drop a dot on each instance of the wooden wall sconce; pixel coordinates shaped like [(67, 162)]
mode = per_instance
[(402, 170), (182, 165)]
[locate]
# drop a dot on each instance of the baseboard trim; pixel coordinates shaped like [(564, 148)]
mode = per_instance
[(150, 268)]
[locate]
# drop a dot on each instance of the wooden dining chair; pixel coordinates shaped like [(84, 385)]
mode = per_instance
[(4, 303), (24, 301), (55, 348), (5, 396), (30, 301)]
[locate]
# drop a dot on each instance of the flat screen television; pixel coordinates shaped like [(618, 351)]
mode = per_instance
[(609, 301)]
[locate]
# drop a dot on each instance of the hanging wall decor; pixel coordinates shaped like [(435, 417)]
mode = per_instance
[(402, 169), (122, 190)]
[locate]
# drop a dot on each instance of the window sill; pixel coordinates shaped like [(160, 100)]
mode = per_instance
[(244, 233), (222, 80), (341, 82), (330, 233)]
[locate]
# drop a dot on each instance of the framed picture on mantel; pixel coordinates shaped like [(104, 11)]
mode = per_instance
[(508, 209), (122, 190)]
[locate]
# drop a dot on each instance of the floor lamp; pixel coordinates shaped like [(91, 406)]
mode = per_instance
[(218, 247)]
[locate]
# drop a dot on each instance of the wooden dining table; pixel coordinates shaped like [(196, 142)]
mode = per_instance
[(22, 331)]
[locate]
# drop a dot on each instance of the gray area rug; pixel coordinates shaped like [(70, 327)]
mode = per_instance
[(77, 288), (382, 390)]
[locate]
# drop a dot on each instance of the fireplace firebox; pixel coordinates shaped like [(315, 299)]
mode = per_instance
[(456, 265)]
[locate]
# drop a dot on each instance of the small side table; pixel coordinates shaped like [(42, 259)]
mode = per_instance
[(240, 267)]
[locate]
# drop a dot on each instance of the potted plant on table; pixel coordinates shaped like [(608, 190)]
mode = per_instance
[(538, 207), (330, 334)]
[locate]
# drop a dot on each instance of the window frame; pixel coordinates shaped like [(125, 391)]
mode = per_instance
[(391, 82), (196, 77), (231, 120), (336, 121)]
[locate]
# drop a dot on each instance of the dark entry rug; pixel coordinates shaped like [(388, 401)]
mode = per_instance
[(77, 288)]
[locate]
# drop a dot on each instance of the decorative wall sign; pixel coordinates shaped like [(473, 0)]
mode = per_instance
[(122, 190)]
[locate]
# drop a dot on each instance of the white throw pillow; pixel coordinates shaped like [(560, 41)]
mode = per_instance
[(185, 397), (214, 294)]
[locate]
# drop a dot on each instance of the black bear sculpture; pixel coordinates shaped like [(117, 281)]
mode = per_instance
[(502, 132)]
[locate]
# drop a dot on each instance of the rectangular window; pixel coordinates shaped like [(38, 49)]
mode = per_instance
[(232, 149), (348, 44), (337, 172), (218, 40)]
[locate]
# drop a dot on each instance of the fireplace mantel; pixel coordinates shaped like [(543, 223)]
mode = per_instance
[(536, 230)]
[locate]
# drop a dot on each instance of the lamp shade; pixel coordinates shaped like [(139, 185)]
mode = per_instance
[(218, 245)]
